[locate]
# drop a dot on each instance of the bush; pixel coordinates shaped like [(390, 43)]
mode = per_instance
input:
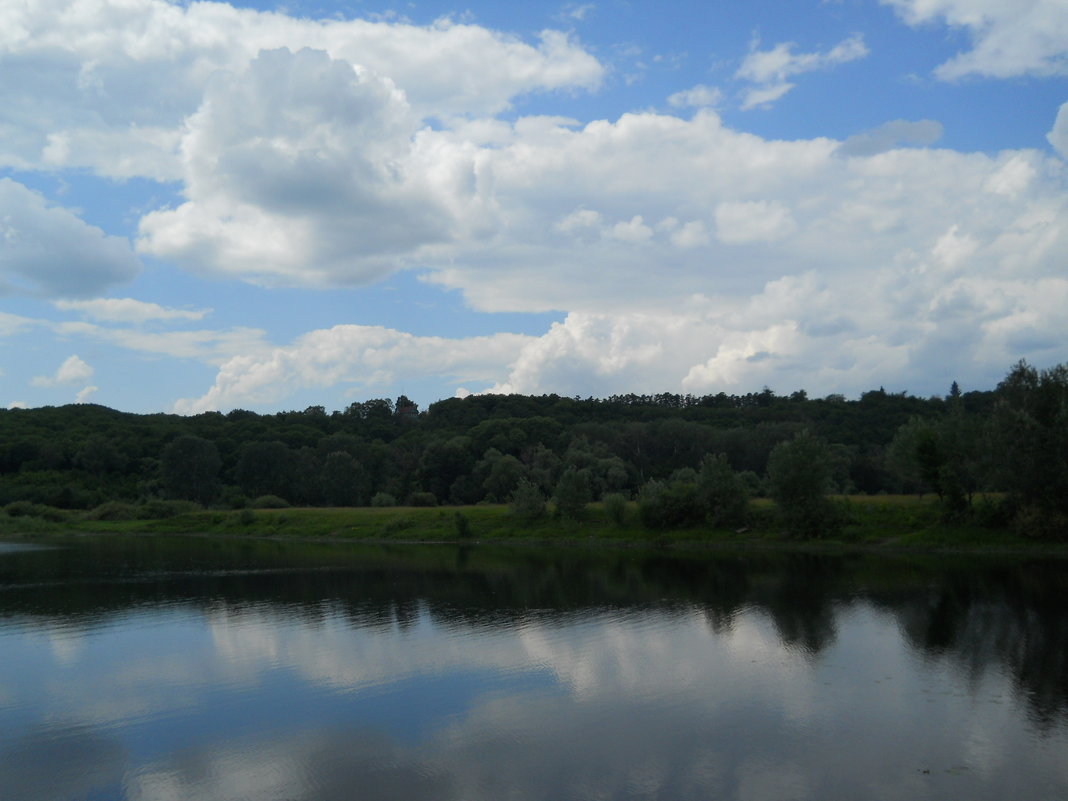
[(991, 512), (114, 510), (422, 499), (670, 505), (269, 502), (383, 499), (527, 503), (246, 517), (158, 509), (615, 507), (1036, 523), (28, 509), (722, 494)]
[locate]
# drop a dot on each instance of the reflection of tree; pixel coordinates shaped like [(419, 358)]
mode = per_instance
[(978, 614), (981, 615), (801, 603)]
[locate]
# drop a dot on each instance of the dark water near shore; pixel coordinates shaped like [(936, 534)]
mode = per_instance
[(204, 669)]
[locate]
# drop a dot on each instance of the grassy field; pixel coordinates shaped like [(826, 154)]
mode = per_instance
[(872, 522)]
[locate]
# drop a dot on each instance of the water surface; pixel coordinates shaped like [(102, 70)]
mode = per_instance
[(204, 669)]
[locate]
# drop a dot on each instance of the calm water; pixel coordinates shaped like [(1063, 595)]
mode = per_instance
[(193, 669)]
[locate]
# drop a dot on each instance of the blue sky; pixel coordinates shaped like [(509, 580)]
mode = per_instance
[(268, 206)]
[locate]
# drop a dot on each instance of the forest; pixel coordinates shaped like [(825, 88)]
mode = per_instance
[(1000, 455)]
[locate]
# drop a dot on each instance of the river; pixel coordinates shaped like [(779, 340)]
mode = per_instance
[(192, 668)]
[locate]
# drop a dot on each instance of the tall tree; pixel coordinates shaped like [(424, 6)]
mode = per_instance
[(799, 474), (189, 468)]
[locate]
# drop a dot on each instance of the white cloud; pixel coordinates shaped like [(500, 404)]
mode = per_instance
[(578, 11), (301, 170), (698, 96), (49, 251), (763, 96), (72, 371), (770, 69), (128, 310), (18, 405), (1058, 136), (83, 395), (361, 356), (1023, 37), (12, 324), (204, 345), (890, 135), (107, 86), (739, 223), (775, 262)]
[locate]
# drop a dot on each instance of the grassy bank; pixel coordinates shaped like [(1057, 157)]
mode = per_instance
[(878, 522)]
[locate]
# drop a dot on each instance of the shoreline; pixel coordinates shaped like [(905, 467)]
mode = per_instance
[(872, 524)]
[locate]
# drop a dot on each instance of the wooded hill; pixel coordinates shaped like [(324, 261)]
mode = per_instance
[(1013, 439)]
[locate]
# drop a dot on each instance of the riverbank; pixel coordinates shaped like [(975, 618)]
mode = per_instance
[(887, 523)]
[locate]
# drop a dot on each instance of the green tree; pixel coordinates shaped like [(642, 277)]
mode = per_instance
[(1030, 432), (572, 493), (266, 468), (342, 480), (721, 492), (189, 469), (799, 472), (527, 502)]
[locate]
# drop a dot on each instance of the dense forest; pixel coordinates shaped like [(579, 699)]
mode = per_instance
[(685, 455)]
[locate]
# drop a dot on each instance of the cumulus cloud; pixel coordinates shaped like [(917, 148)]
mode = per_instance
[(770, 70), (72, 371), (300, 170), (1025, 37), (752, 221), (48, 251), (355, 355), (84, 393), (128, 310), (107, 86), (716, 260)]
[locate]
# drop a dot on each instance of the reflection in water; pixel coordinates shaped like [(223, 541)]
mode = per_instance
[(189, 669)]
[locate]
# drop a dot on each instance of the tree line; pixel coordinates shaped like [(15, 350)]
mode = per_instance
[(684, 458)]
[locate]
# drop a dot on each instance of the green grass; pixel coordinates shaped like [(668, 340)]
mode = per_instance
[(871, 522)]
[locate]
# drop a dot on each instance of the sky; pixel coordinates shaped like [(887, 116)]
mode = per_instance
[(268, 206)]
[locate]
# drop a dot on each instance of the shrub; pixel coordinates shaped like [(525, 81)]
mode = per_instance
[(158, 509), (383, 499), (615, 507), (269, 502), (28, 509), (527, 503), (721, 493), (246, 517), (114, 510), (670, 505), (422, 499), (1036, 523)]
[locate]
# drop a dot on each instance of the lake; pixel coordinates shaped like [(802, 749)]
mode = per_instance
[(189, 668)]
